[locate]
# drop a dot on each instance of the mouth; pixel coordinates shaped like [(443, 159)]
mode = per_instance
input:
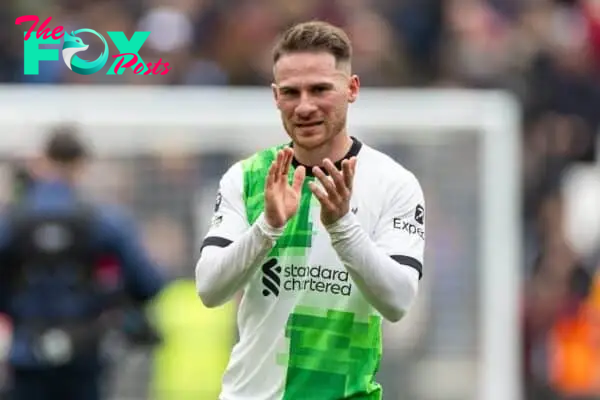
[(309, 124)]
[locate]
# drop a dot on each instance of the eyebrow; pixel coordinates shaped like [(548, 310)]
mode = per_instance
[(287, 88)]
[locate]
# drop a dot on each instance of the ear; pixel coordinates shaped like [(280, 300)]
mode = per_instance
[(353, 88), (275, 93)]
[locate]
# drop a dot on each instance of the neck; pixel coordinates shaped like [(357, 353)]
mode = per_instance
[(335, 150)]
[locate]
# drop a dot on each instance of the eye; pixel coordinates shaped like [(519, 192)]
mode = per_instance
[(319, 89), (289, 92)]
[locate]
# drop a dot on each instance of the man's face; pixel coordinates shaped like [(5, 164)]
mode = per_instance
[(313, 94)]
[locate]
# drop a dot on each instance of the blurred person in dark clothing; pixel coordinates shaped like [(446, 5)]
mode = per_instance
[(51, 243)]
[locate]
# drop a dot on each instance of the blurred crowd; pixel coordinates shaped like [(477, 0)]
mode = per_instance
[(546, 52)]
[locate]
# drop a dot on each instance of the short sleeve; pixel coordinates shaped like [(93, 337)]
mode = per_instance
[(229, 219), (400, 231)]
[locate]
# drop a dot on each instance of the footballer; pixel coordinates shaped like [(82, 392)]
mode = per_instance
[(323, 235)]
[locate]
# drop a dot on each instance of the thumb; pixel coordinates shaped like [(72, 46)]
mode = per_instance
[(299, 175)]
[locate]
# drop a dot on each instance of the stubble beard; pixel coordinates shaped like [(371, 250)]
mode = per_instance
[(331, 132)]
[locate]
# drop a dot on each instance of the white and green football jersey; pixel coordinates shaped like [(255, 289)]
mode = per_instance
[(306, 332)]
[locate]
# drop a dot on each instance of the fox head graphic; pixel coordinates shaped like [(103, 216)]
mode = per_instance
[(71, 46)]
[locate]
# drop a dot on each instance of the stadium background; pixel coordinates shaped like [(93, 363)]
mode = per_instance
[(545, 52)]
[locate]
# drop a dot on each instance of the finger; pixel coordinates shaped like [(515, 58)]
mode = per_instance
[(347, 171), (338, 178), (328, 185), (299, 175), (286, 161), (289, 151), (277, 166), (321, 196), (351, 172), (271, 176)]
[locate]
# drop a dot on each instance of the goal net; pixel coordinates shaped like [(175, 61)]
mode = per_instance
[(161, 151)]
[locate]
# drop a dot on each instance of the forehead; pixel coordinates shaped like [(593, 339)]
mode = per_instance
[(297, 69)]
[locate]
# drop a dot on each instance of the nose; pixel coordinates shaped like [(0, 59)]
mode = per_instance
[(305, 107)]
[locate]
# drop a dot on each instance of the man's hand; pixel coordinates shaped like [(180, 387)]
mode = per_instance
[(335, 198), (281, 198)]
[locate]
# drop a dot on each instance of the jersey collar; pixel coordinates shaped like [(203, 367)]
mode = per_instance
[(353, 152)]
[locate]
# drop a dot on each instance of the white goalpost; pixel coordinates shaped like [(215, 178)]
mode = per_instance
[(125, 120)]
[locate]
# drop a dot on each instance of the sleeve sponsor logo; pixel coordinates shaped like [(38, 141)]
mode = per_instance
[(420, 214), (412, 222), (218, 201)]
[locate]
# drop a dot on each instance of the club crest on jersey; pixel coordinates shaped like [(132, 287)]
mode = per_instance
[(300, 278)]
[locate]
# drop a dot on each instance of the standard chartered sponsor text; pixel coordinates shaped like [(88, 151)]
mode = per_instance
[(316, 279)]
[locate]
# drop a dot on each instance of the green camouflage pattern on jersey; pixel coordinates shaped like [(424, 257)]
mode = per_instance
[(332, 354)]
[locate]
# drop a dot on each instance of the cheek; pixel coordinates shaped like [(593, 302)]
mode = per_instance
[(285, 108), (335, 108), (328, 106), (287, 105)]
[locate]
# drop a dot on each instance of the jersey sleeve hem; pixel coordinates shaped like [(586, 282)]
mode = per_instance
[(216, 241), (409, 262)]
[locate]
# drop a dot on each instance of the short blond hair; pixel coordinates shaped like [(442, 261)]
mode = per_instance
[(314, 36)]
